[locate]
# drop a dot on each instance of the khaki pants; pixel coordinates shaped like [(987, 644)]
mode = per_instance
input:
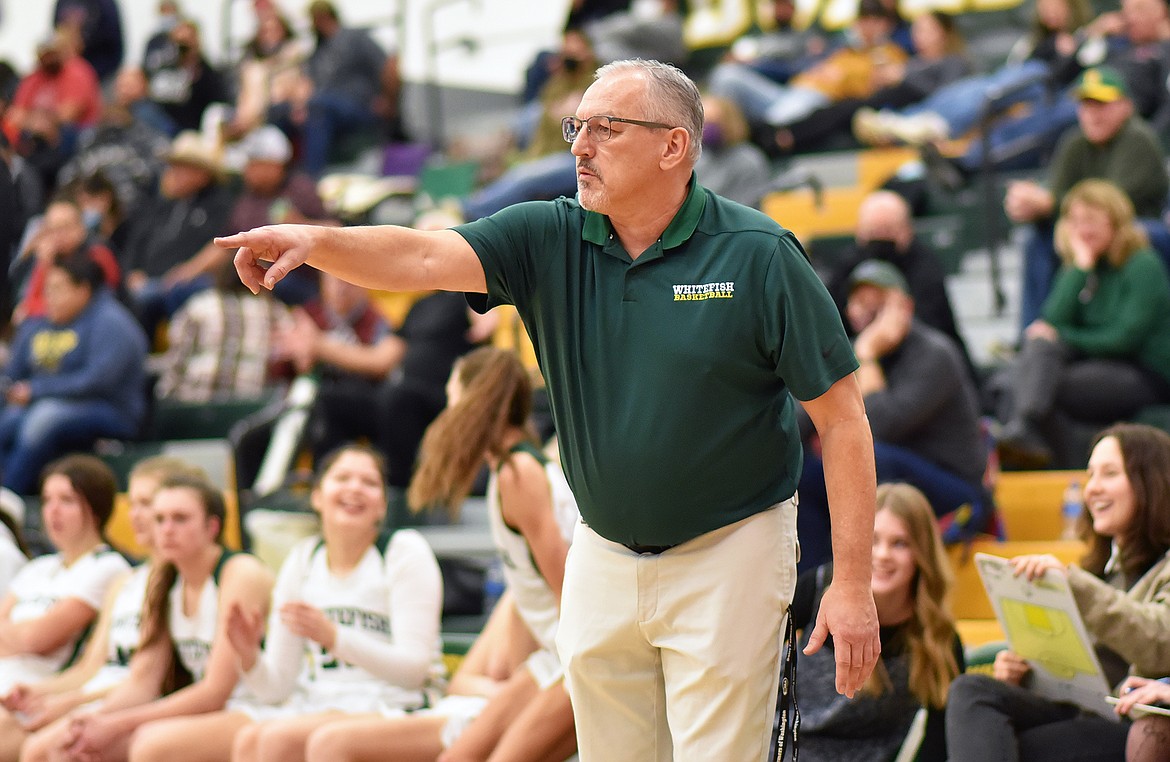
[(676, 656)]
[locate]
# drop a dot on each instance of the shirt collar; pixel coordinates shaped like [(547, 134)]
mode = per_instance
[(686, 219), (1113, 565)]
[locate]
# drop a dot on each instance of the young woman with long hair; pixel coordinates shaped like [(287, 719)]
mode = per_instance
[(105, 661), (184, 664), (1121, 588), (532, 513), (354, 628), (921, 651), (56, 597)]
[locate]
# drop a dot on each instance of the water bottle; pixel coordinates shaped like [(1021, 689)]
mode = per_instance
[(493, 585), (1070, 511)]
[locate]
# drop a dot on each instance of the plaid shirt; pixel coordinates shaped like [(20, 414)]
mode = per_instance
[(220, 346)]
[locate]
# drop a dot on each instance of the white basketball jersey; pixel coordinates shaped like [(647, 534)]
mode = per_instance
[(123, 635), (534, 600), (359, 601), (193, 635), (39, 586)]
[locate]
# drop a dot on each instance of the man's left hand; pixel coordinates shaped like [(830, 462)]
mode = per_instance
[(848, 614)]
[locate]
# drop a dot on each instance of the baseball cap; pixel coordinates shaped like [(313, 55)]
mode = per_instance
[(875, 272), (1103, 84), (267, 143)]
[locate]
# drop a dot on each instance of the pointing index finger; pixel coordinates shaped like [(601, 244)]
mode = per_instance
[(231, 241)]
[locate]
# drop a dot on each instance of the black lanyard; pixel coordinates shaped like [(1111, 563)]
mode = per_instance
[(786, 724)]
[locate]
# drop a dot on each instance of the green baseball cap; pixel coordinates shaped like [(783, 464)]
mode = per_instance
[(1102, 84), (877, 272)]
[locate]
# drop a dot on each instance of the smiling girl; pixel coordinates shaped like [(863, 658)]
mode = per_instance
[(354, 628), (531, 512), (1122, 589), (55, 598), (921, 652)]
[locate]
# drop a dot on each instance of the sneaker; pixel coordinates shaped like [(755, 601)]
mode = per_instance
[(871, 127), (920, 129), (1021, 447)]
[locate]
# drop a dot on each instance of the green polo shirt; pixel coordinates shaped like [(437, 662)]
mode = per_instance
[(671, 376), (1124, 316)]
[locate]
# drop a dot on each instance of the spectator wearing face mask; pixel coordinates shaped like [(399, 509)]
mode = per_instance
[(730, 165), (52, 105), (102, 210), (922, 408), (885, 232), (544, 170), (341, 84), (181, 81), (126, 146)]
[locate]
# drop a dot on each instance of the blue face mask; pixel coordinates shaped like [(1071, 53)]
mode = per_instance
[(92, 218)]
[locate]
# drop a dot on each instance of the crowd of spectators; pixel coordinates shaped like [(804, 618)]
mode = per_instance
[(116, 176), (158, 156), (135, 166)]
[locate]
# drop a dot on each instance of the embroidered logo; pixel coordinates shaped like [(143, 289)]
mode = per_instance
[(695, 292)]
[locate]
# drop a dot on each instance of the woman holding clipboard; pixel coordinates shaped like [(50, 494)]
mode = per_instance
[(1122, 591)]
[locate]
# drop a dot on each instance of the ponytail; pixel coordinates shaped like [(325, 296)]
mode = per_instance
[(156, 613), (156, 616), (497, 395)]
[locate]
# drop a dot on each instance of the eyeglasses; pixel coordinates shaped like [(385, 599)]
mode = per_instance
[(599, 127)]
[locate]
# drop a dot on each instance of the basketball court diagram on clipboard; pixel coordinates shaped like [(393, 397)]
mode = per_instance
[(1043, 625)]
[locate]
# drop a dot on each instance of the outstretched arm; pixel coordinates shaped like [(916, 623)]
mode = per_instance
[(385, 257), (847, 610)]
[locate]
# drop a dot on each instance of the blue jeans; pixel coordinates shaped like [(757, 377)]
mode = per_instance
[(961, 102), (156, 301), (32, 436), (544, 178), (945, 491), (1023, 142), (762, 99), (153, 115), (330, 116)]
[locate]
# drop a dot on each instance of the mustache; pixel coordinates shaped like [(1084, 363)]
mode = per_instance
[(584, 165)]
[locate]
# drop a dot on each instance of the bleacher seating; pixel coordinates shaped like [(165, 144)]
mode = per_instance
[(1029, 502), (1029, 505), (846, 178)]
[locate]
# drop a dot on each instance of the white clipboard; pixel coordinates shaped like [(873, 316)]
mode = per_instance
[(1140, 710), (1044, 626)]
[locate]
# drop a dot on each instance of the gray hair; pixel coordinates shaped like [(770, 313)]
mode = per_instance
[(673, 97)]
